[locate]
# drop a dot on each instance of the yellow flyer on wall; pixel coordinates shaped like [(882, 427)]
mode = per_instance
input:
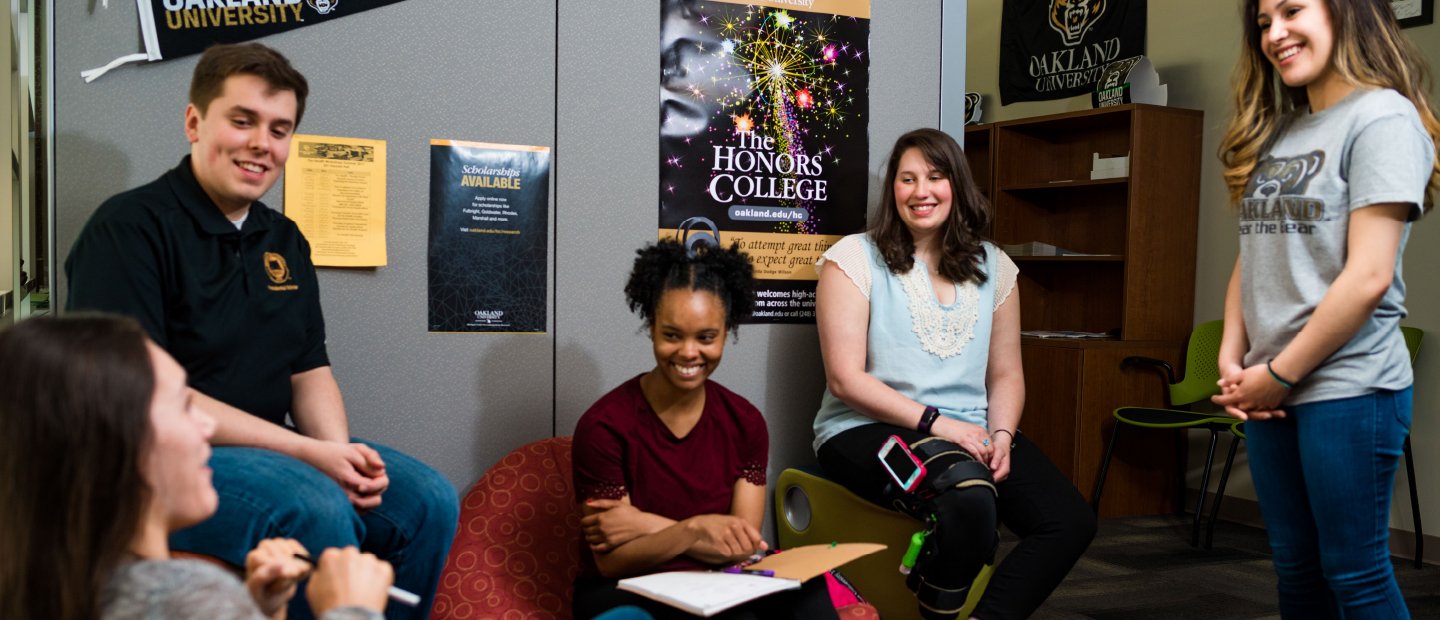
[(335, 192)]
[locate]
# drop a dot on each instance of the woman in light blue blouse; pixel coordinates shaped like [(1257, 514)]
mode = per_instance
[(919, 324)]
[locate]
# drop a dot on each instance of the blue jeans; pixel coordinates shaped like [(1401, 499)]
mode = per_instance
[(265, 494), (1324, 475)]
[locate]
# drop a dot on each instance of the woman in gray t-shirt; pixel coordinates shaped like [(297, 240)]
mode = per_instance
[(103, 455), (1329, 157)]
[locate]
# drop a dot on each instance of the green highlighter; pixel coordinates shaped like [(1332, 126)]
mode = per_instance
[(917, 540)]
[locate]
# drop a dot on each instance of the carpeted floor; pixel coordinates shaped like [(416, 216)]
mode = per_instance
[(1143, 567)]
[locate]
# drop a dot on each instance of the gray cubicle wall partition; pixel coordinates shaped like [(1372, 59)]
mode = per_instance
[(605, 188), (580, 76)]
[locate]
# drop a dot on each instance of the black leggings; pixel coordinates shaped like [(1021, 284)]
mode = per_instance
[(1036, 502), (595, 595)]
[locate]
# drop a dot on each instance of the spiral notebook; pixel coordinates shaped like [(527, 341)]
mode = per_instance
[(706, 593)]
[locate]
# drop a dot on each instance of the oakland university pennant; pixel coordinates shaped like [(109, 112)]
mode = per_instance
[(1052, 49), (175, 28)]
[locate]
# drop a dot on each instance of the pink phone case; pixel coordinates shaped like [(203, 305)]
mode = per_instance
[(899, 444)]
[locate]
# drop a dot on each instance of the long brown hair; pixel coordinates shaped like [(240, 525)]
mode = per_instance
[(75, 403), (1369, 51), (961, 249)]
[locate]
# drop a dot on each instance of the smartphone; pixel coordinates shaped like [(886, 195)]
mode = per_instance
[(902, 464)]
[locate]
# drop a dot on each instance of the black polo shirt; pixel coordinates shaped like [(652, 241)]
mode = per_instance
[(239, 309)]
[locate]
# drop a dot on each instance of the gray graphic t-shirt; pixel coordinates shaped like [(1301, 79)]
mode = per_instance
[(1369, 148)]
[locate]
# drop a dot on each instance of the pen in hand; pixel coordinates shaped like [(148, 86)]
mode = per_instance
[(399, 595)]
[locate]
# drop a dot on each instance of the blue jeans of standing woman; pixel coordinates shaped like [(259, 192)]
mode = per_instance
[(1324, 475), (265, 494)]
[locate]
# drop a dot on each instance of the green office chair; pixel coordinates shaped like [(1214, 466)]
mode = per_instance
[(811, 509), (1202, 372), (1413, 336)]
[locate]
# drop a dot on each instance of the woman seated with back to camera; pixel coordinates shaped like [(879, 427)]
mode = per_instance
[(671, 465), (103, 455), (919, 323)]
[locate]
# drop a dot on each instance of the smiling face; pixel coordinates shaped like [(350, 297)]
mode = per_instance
[(688, 336), (175, 463), (239, 145), (922, 195), (1297, 38)]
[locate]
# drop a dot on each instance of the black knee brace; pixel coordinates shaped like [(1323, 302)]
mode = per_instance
[(957, 468), (948, 468)]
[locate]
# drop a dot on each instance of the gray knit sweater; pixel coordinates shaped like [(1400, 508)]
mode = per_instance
[(183, 589)]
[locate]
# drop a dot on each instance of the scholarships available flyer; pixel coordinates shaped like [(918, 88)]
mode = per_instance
[(489, 213), (763, 114)]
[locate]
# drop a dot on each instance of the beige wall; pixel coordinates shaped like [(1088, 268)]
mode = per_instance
[(1193, 47)]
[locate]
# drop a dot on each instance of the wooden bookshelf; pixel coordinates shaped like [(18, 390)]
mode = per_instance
[(1136, 277)]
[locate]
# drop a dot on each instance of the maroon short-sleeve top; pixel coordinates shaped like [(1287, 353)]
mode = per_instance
[(622, 447)]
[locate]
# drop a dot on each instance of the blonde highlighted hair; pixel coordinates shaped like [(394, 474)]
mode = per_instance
[(1368, 51)]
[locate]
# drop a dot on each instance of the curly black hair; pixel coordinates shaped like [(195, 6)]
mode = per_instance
[(666, 265)]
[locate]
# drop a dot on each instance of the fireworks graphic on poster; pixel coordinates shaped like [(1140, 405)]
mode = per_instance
[(787, 87)]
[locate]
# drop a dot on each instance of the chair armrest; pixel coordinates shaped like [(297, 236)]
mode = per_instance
[(1154, 364)]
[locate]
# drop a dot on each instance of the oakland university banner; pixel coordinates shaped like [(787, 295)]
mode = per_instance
[(1053, 49), (763, 116), (175, 28)]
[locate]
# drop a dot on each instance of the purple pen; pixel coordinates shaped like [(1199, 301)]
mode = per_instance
[(758, 571)]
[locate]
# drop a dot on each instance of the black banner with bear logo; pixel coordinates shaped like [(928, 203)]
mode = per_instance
[(1053, 49)]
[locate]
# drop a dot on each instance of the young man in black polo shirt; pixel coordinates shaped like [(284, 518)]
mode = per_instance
[(225, 284)]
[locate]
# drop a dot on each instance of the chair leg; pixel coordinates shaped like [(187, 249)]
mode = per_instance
[(1104, 469), (1182, 461), (1220, 492), (1204, 485), (1414, 506)]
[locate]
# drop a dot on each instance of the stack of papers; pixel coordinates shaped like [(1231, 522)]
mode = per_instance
[(1053, 333), (1037, 248)]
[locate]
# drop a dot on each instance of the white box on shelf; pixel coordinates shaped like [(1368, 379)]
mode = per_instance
[(1109, 167)]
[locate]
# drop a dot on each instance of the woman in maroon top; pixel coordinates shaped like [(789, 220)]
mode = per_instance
[(670, 465)]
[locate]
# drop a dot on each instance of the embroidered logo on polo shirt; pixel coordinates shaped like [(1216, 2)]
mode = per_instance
[(279, 273)]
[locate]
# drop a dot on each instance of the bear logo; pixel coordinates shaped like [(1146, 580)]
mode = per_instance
[(323, 6), (1073, 18), (1284, 176)]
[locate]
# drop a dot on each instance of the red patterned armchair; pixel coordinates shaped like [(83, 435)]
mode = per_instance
[(517, 550)]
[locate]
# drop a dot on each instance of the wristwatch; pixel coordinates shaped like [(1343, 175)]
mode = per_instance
[(927, 419)]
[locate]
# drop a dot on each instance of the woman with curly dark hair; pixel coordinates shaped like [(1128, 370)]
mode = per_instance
[(919, 322), (671, 465)]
